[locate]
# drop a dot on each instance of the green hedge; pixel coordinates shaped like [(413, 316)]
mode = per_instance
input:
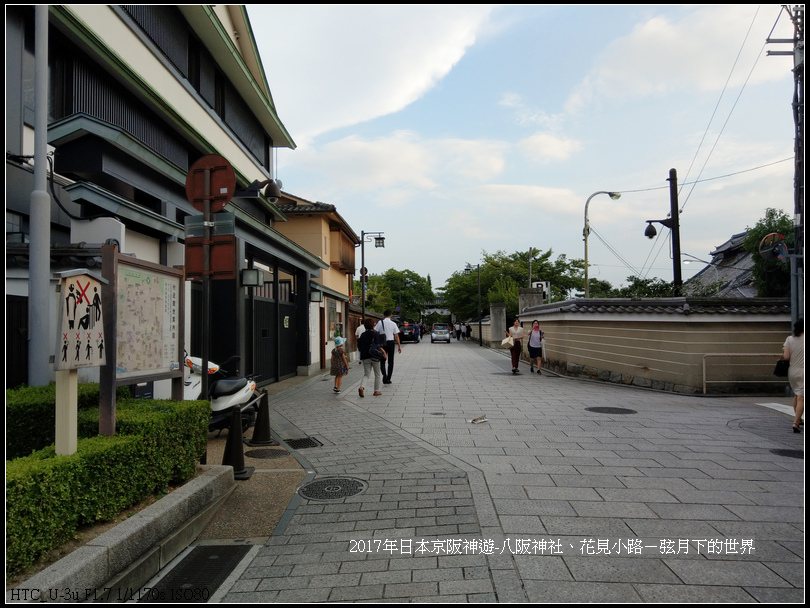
[(48, 496), (31, 415)]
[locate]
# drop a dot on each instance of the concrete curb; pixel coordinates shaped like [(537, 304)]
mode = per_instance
[(117, 563)]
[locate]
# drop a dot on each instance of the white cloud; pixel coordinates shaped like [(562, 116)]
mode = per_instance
[(545, 147), (367, 61), (525, 114), (697, 52), (402, 162)]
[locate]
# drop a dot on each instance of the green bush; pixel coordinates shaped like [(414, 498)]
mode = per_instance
[(31, 415), (49, 496)]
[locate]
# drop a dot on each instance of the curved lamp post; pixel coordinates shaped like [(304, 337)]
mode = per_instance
[(694, 259), (587, 229), (379, 241)]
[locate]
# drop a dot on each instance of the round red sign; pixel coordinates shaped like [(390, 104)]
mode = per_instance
[(211, 178)]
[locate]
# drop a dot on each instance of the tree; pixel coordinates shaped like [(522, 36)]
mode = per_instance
[(771, 277), (645, 288), (505, 290), (409, 292)]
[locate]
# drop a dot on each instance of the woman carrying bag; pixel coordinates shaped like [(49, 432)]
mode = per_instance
[(516, 333), (370, 343), (793, 351)]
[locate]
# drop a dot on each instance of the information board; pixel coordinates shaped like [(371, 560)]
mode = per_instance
[(148, 322)]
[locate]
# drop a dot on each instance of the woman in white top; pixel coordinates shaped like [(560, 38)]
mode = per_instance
[(536, 347), (516, 331), (793, 351)]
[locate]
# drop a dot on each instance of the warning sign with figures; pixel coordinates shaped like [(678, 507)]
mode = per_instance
[(80, 341)]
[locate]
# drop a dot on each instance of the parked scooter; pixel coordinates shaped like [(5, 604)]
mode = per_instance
[(225, 392)]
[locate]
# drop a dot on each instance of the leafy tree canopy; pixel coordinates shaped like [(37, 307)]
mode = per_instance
[(771, 277)]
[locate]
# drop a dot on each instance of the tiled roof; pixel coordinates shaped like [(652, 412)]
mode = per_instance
[(667, 306), (306, 208)]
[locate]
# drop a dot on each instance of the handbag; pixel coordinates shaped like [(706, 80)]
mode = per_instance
[(508, 341), (375, 350), (781, 369)]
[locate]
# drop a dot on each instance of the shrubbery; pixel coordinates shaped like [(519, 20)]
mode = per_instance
[(48, 496)]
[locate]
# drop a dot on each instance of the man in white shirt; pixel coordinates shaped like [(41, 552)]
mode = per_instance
[(387, 327)]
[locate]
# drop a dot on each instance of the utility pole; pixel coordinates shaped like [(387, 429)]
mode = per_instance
[(796, 14)]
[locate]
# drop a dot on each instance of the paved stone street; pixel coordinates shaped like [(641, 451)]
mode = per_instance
[(680, 499)]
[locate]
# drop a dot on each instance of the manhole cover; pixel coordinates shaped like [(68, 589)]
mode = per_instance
[(789, 453), (610, 410), (332, 489), (267, 453), (300, 444)]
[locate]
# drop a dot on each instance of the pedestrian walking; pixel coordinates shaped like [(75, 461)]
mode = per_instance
[(340, 365), (364, 343), (793, 351), (535, 345), (389, 329), (516, 333)]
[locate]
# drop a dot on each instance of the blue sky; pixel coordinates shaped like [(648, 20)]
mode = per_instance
[(459, 129)]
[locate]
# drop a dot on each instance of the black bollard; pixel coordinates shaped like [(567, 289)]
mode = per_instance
[(261, 432), (234, 456)]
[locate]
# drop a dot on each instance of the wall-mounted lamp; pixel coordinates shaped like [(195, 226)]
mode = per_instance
[(316, 296), (252, 277)]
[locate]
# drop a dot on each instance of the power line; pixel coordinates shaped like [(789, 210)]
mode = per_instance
[(708, 179)]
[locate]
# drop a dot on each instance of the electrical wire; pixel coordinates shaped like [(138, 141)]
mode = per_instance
[(717, 105)]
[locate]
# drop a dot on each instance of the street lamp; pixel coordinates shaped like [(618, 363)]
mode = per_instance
[(379, 241), (468, 270), (673, 223), (585, 231), (694, 259)]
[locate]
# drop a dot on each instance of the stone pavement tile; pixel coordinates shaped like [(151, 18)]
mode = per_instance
[(610, 509), (775, 499), (792, 572), (728, 572), (778, 514), (700, 512), (565, 592), (467, 586), (614, 569), (301, 596), (256, 597), (557, 493), (711, 497), (662, 483), (410, 590), (534, 507), (587, 481), (692, 594), (357, 594), (620, 495), (587, 526), (771, 595), (542, 568), (525, 524), (672, 529)]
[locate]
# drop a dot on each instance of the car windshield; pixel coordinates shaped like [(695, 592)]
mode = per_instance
[(439, 326)]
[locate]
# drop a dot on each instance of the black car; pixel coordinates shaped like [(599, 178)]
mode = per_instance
[(408, 331)]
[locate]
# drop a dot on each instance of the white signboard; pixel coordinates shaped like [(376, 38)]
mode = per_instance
[(148, 330), (80, 324)]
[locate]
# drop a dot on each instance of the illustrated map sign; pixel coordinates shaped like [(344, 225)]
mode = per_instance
[(80, 325), (148, 330)]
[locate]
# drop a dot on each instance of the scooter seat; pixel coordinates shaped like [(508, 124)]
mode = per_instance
[(228, 386)]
